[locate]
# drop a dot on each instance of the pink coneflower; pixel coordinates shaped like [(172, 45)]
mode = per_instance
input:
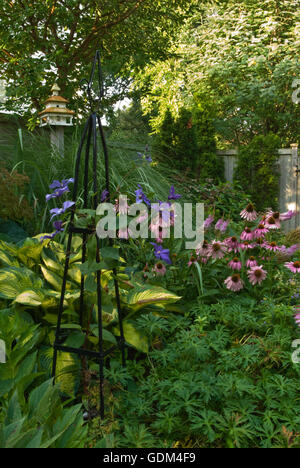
[(293, 266), (234, 282), (288, 215), (247, 234), (260, 231), (204, 249), (272, 222), (217, 249), (256, 275), (123, 233), (235, 264), (192, 260), (208, 221), (232, 243), (260, 241), (204, 259), (297, 319), (271, 246), (249, 213), (246, 245), (251, 262), (159, 269)]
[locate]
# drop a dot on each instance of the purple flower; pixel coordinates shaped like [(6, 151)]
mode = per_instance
[(173, 195), (208, 222), (60, 211), (161, 253), (58, 228), (141, 197), (104, 195), (59, 188)]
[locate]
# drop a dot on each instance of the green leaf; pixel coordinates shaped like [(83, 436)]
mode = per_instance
[(145, 295), (133, 337)]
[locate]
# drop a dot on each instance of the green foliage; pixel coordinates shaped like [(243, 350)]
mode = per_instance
[(188, 143), (32, 414), (257, 170), (13, 204), (221, 378)]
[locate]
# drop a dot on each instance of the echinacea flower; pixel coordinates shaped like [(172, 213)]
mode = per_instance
[(160, 269), (60, 211), (271, 246), (272, 223), (251, 262), (288, 215), (234, 282), (294, 267), (217, 250), (246, 245), (249, 213), (247, 234), (256, 275), (232, 243), (192, 261), (260, 231), (297, 319), (235, 264), (173, 195), (161, 253), (58, 228), (204, 249)]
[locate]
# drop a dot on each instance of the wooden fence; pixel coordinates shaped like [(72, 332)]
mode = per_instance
[(289, 189)]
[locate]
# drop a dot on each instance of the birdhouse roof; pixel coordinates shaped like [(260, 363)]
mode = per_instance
[(56, 99), (57, 110)]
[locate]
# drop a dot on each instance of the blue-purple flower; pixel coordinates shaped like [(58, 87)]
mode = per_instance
[(60, 211), (58, 228), (104, 195), (173, 195), (161, 253), (59, 188), (141, 197)]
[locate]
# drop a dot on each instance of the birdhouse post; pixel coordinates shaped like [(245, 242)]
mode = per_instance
[(57, 116)]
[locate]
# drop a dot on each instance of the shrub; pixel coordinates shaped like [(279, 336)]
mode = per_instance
[(13, 204), (257, 170)]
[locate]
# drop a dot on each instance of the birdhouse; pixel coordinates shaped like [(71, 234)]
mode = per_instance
[(56, 115), (56, 112)]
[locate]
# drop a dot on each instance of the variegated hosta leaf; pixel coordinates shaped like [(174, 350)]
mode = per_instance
[(146, 295), (14, 281), (30, 298), (133, 337)]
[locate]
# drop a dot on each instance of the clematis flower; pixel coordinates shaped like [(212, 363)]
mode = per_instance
[(251, 262), (173, 195), (217, 250), (141, 197), (234, 283), (104, 195), (235, 264), (59, 188), (58, 228), (256, 275), (249, 213), (161, 253), (60, 211), (294, 267)]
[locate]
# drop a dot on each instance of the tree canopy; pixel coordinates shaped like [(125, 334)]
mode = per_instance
[(46, 40), (238, 58)]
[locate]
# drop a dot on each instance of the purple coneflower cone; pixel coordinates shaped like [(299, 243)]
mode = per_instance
[(256, 275), (294, 267), (192, 261), (260, 231), (249, 213), (272, 222), (234, 283), (271, 246), (232, 244)]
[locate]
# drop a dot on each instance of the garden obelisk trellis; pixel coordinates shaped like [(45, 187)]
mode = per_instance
[(92, 128)]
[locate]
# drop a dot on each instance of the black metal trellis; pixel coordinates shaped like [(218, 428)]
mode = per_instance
[(90, 137)]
